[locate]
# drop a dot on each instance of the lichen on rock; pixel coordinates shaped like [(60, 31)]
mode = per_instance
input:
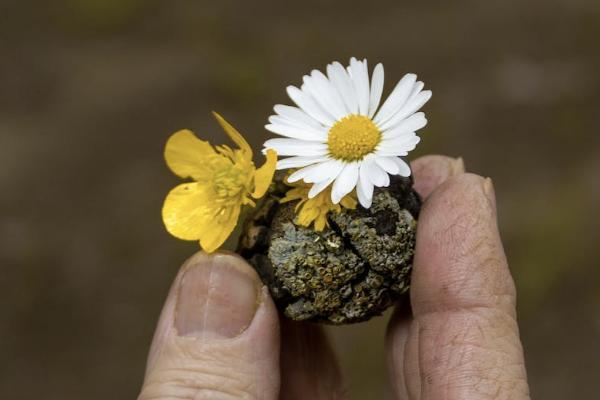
[(347, 273)]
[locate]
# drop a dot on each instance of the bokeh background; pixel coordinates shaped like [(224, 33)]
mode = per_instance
[(91, 89)]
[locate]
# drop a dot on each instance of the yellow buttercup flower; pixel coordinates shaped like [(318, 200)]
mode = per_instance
[(315, 210), (224, 180)]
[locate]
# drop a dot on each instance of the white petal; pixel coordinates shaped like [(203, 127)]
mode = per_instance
[(388, 165), (376, 175), (330, 98), (404, 169), (391, 153), (360, 78), (411, 106), (416, 89), (320, 186), (337, 96), (295, 132), (295, 113), (397, 140), (410, 124), (299, 161), (376, 89), (364, 189), (342, 82), (317, 94), (386, 181), (365, 79), (280, 120), (398, 146), (296, 147), (309, 106), (328, 168), (320, 168), (396, 99), (345, 182), (363, 197)]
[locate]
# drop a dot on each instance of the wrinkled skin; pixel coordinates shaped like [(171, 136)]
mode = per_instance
[(220, 336)]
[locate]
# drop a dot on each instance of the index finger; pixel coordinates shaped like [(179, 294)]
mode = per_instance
[(463, 298), (429, 172)]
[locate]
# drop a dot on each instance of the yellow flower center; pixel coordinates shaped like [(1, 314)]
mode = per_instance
[(353, 137), (228, 183)]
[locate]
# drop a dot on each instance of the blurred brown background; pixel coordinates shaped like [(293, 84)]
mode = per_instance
[(91, 89)]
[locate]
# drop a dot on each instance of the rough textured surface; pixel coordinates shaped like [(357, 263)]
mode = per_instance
[(351, 271)]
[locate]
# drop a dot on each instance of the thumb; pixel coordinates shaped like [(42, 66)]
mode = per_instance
[(217, 337)]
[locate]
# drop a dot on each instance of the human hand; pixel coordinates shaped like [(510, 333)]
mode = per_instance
[(220, 337)]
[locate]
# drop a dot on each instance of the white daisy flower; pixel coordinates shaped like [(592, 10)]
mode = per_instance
[(339, 135)]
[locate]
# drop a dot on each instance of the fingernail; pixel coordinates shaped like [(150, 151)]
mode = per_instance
[(218, 297), (457, 166), (490, 193)]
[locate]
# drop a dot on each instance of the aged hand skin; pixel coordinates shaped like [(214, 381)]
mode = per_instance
[(220, 337)]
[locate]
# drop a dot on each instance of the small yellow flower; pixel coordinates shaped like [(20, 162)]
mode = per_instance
[(224, 180), (315, 210)]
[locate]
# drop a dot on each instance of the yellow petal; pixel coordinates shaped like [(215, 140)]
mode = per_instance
[(220, 229), (320, 222), (294, 194), (186, 154), (234, 135), (307, 215), (264, 175), (187, 212), (349, 202)]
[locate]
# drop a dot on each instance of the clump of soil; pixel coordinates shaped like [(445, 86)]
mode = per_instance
[(349, 272)]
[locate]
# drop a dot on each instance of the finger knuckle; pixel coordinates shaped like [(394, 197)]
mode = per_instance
[(480, 357), (198, 383)]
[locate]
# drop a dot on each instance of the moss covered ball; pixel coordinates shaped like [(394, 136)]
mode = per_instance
[(351, 271)]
